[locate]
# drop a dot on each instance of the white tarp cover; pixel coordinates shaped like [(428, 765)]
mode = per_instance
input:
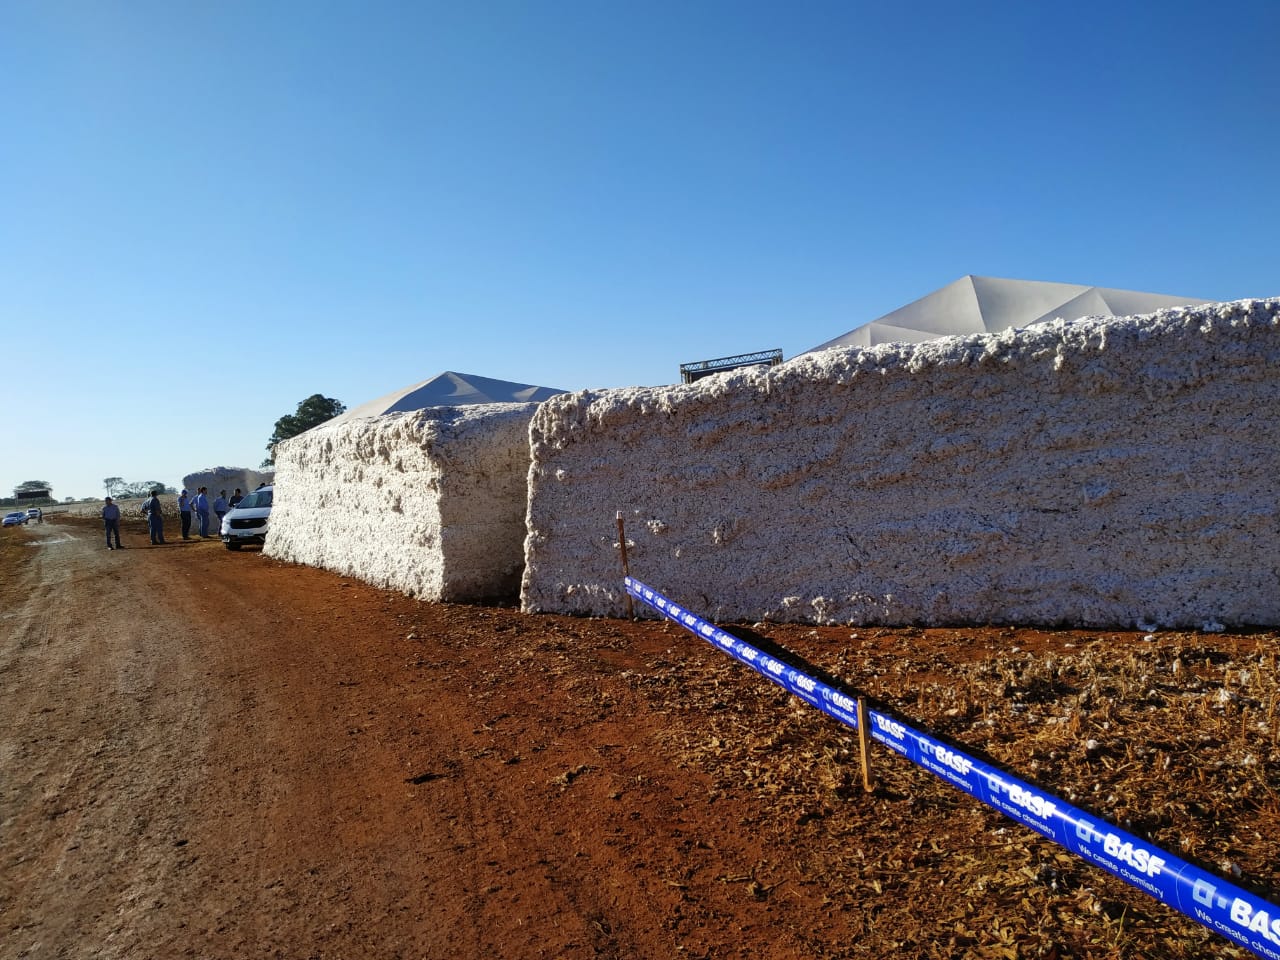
[(449, 389), (991, 304), (429, 503), (1100, 472)]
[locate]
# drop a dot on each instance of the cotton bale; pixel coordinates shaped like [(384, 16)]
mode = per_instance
[(1097, 472), (430, 503), (217, 479)]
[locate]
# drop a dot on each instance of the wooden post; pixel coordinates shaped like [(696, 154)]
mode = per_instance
[(626, 571), (864, 744)]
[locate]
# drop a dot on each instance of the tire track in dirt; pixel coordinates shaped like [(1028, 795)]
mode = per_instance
[(96, 739), (250, 728)]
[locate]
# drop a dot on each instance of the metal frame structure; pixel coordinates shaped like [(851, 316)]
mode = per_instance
[(689, 372)]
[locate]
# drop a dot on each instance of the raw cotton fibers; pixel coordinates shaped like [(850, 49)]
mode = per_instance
[(430, 503), (217, 479), (1101, 472)]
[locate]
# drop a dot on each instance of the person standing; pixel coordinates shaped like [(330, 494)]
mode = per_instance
[(155, 521), (184, 511), (202, 511), (235, 499), (111, 520), (220, 507)]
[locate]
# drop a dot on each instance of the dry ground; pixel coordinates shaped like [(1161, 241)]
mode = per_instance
[(210, 754)]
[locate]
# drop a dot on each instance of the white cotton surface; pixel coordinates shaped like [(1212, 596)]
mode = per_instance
[(217, 479), (1094, 472), (429, 503)]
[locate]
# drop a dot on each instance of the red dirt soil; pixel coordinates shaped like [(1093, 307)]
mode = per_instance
[(214, 754)]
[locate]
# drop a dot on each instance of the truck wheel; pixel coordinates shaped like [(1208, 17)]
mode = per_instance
[(232, 545)]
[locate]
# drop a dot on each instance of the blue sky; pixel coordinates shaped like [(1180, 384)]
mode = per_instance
[(209, 212)]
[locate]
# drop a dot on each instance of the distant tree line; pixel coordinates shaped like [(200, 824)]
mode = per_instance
[(121, 489), (311, 412)]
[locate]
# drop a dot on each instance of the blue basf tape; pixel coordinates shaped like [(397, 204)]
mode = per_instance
[(1221, 906)]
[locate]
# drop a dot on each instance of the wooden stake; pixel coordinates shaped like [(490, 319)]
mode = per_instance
[(626, 571), (864, 744)]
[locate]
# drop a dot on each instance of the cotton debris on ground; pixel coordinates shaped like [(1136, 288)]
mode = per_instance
[(430, 503), (1097, 472)]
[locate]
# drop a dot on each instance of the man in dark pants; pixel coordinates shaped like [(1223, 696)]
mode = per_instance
[(155, 522), (111, 520), (184, 512)]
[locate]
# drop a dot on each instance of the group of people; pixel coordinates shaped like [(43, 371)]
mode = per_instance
[(187, 505)]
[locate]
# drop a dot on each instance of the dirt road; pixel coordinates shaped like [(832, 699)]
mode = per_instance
[(211, 754)]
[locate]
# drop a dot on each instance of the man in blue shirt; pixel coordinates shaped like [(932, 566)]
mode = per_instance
[(202, 511), (111, 520), (155, 522)]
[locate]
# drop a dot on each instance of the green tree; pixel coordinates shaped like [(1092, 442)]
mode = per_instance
[(311, 412), (140, 490), (113, 484)]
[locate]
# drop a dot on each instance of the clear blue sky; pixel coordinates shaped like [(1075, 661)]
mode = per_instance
[(210, 211)]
